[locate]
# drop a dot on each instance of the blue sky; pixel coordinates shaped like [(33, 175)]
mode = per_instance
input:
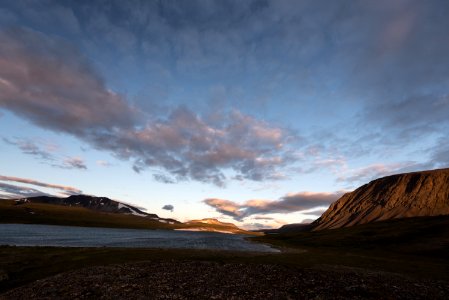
[(256, 112)]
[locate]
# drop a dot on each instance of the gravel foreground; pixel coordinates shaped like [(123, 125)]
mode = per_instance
[(212, 280)]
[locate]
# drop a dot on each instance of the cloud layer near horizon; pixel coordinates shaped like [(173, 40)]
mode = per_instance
[(47, 81), (11, 191), (289, 203), (14, 191)]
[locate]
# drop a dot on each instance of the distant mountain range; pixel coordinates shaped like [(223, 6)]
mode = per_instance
[(85, 210), (398, 196), (406, 195), (99, 204)]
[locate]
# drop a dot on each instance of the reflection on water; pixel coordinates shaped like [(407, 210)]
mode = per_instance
[(70, 236)]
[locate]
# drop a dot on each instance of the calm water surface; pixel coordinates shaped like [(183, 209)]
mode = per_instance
[(68, 236)]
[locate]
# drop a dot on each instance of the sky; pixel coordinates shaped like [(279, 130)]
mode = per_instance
[(261, 113)]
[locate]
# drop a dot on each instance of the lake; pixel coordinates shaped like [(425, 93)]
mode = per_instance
[(70, 236)]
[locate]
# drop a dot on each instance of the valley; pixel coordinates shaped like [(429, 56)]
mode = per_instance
[(403, 252)]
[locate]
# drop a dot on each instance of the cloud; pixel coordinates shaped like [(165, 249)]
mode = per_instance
[(414, 117), (438, 155), (103, 163), (10, 191), (292, 202), (31, 148), (226, 207), (302, 201), (168, 207), (384, 59), (189, 147), (66, 189), (264, 218), (73, 163), (47, 155), (163, 178), (259, 226), (375, 171), (59, 16), (48, 82)]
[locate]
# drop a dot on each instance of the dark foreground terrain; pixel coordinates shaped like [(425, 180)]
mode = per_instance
[(398, 259), (214, 280), (105, 273)]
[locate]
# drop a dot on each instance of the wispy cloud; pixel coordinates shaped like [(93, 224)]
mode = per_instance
[(9, 191), (31, 148), (294, 202), (73, 163), (103, 163), (374, 171), (439, 154), (65, 189), (163, 178), (46, 153)]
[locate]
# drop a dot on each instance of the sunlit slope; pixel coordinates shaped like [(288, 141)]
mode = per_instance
[(398, 196)]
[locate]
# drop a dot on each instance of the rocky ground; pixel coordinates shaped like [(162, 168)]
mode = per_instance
[(215, 280)]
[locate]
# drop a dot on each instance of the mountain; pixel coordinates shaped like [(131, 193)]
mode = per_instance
[(98, 204), (406, 195), (85, 210), (213, 225), (211, 221)]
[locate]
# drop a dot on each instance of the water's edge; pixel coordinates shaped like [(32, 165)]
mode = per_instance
[(75, 236)]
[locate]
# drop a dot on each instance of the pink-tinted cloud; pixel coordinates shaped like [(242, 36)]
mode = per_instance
[(10, 191), (48, 82), (188, 147), (226, 207), (289, 203), (73, 163), (375, 171), (65, 189)]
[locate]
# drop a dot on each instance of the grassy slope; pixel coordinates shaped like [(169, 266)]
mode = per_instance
[(74, 216)]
